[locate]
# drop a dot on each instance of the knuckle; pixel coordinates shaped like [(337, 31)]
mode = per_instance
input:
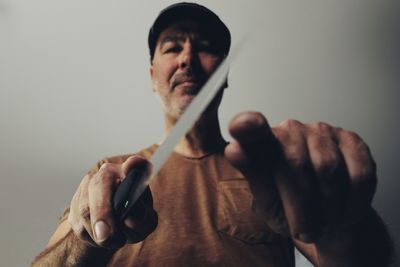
[(291, 124), (106, 168), (84, 213), (296, 159), (322, 127), (351, 138), (104, 175), (98, 179), (321, 143), (327, 163), (282, 135), (331, 159)]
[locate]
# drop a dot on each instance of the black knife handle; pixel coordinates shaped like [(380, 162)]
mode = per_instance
[(123, 202)]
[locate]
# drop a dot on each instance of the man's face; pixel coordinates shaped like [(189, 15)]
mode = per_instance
[(183, 60)]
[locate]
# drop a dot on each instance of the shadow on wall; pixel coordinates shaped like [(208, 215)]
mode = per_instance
[(387, 39)]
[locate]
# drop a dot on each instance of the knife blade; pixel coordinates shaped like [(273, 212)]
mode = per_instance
[(136, 181)]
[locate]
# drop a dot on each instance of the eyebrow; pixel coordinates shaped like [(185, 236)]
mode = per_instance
[(172, 38)]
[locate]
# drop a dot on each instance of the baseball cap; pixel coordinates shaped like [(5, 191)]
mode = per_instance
[(215, 28)]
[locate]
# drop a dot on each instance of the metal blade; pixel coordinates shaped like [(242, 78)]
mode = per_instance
[(185, 122)]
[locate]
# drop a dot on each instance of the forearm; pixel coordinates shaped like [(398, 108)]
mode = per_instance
[(366, 244), (71, 251)]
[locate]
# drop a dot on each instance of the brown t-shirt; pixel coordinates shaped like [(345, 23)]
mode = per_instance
[(205, 219)]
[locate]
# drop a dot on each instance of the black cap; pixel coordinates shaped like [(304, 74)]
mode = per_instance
[(215, 28)]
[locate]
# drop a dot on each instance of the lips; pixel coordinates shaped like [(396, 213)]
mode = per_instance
[(188, 81), (189, 85), (185, 82), (186, 78)]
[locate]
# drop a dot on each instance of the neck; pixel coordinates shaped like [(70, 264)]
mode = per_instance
[(203, 138)]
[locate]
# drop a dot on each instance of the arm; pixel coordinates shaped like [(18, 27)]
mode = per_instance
[(66, 249), (364, 244)]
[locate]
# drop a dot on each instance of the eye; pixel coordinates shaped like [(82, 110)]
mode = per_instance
[(207, 48), (172, 49)]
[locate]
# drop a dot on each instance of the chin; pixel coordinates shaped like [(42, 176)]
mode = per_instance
[(192, 90), (187, 99), (180, 108)]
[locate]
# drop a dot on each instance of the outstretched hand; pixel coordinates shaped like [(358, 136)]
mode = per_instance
[(305, 178)]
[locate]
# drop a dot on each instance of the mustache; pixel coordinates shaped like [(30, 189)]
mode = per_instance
[(186, 76)]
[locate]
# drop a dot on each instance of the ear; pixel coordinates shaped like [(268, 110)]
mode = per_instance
[(153, 81)]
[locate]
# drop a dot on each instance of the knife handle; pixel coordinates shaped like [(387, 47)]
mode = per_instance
[(126, 194)]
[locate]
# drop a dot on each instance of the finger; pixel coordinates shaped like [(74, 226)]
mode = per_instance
[(136, 161), (296, 183), (252, 153), (362, 172), (143, 219), (101, 189), (136, 174), (330, 171), (79, 215), (254, 141)]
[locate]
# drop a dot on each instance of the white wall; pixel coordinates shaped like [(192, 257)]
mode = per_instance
[(74, 88)]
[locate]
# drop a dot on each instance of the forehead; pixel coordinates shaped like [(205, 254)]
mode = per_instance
[(185, 28)]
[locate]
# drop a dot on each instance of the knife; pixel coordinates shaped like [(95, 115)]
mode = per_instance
[(136, 181)]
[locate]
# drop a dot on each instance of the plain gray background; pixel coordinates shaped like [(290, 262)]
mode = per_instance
[(75, 87)]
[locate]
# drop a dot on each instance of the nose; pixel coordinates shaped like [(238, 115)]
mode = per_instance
[(187, 55)]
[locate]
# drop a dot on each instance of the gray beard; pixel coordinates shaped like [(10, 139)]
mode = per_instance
[(192, 90)]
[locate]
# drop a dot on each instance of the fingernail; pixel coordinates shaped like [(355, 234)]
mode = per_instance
[(102, 231)]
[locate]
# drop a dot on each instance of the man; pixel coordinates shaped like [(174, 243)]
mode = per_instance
[(245, 203)]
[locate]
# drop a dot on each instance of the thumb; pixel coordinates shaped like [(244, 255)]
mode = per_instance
[(252, 148), (136, 161), (254, 152)]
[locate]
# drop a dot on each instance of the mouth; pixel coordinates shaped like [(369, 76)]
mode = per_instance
[(191, 87)]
